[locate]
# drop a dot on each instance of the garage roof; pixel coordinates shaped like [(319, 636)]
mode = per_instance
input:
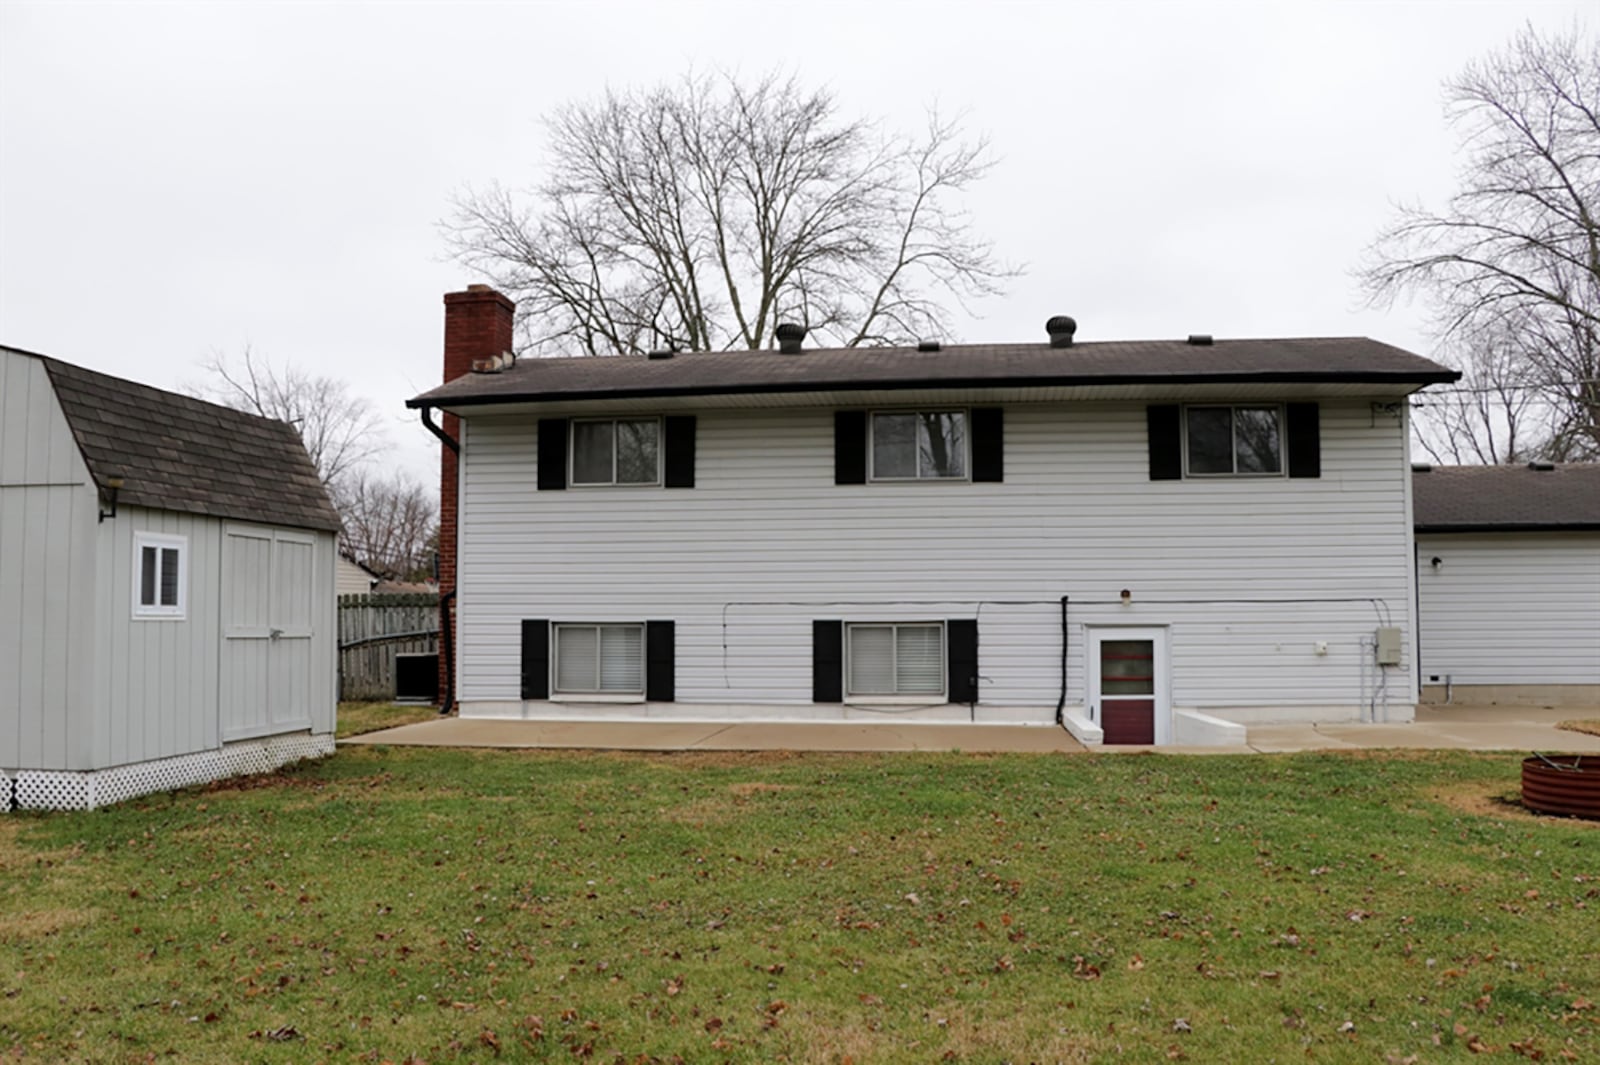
[(1506, 498)]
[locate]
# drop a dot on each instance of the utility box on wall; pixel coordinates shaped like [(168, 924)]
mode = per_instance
[(1388, 646)]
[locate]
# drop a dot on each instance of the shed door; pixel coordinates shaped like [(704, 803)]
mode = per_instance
[(268, 577)]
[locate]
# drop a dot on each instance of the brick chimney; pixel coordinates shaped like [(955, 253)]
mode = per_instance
[(477, 325)]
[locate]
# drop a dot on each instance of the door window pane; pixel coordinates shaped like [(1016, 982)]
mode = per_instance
[(1127, 667)]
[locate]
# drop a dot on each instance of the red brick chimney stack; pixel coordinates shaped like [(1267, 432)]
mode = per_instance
[(477, 325)]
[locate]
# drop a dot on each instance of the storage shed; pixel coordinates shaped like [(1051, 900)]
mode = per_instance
[(1508, 583), (167, 570)]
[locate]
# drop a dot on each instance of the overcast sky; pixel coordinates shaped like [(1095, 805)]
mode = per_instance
[(182, 179)]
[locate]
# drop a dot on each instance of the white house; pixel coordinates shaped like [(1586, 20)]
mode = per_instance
[(1154, 541), (167, 570), (1508, 575)]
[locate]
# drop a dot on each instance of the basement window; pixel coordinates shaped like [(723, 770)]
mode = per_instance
[(160, 577), (894, 659), (1235, 441), (599, 659)]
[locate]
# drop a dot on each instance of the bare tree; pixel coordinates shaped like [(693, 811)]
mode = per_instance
[(1519, 242), (341, 431), (389, 523), (1493, 415), (702, 213)]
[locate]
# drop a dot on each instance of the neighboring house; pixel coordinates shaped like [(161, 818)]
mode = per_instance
[(1147, 541), (1508, 575), (167, 570), (352, 578)]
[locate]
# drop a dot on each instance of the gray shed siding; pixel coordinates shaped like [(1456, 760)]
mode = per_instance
[(47, 520), (155, 678)]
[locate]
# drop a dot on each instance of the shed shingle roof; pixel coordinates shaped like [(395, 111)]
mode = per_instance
[(176, 452), (1505, 498), (1305, 360)]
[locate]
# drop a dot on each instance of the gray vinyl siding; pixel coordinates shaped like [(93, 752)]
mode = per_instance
[(766, 542), (48, 509), (1510, 608)]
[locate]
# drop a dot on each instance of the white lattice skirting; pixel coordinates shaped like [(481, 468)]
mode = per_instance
[(32, 789)]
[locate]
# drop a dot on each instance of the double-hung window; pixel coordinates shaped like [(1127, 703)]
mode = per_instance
[(616, 451), (919, 445), (160, 583), (599, 659), (1233, 440), (894, 659)]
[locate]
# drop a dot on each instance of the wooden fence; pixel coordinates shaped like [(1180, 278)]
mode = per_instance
[(372, 630)]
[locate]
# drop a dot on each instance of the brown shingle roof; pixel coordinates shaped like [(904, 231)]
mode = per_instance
[(1307, 360), (1505, 498), (175, 452)]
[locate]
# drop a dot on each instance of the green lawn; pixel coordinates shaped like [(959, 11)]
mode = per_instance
[(435, 905), (356, 718)]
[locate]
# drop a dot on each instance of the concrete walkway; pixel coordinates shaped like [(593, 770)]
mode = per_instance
[(1477, 728), (724, 736)]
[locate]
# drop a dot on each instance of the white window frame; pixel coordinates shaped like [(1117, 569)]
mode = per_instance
[(157, 611), (940, 696), (918, 478), (572, 452), (1233, 449), (596, 693)]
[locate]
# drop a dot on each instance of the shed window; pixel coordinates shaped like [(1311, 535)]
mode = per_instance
[(599, 659), (919, 445), (1233, 441), (616, 451), (160, 583), (896, 659)]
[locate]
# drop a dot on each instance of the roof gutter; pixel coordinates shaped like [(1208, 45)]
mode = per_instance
[(1509, 527), (444, 438)]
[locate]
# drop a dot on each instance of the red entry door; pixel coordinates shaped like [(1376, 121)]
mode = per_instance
[(1127, 695)]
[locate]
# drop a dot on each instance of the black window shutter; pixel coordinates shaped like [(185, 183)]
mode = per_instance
[(988, 444), (1304, 434), (827, 661), (535, 659), (678, 445), (849, 448), (961, 659), (552, 453), (1165, 422), (660, 658)]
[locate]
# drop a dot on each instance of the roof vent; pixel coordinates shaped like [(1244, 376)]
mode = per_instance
[(661, 353), (1201, 340), (927, 345), (790, 336), (1421, 467), (1542, 467), (1061, 328)]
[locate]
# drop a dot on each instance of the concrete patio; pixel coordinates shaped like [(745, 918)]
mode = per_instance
[(1478, 728)]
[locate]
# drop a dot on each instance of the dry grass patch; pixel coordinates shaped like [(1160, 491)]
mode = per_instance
[(1591, 726)]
